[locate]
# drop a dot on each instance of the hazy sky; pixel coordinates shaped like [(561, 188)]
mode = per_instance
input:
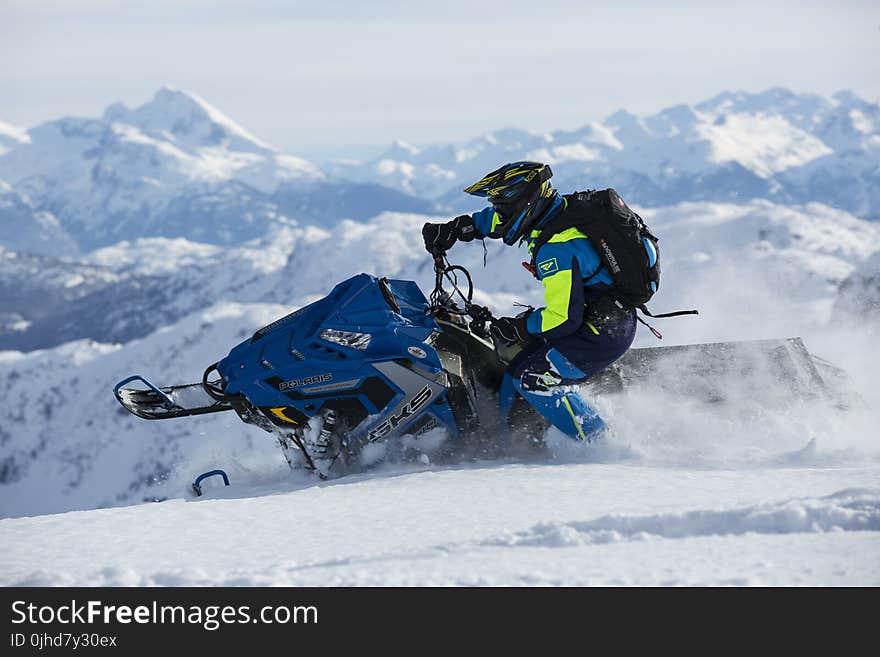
[(324, 78)]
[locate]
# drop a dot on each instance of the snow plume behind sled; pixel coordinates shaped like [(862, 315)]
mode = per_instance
[(765, 372), (763, 403)]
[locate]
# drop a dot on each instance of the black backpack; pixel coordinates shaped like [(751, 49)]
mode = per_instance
[(623, 241)]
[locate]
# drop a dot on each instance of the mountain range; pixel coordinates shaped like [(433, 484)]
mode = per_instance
[(173, 167), (178, 167), (778, 145)]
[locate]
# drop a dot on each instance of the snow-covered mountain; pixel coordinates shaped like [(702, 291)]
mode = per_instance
[(11, 136), (777, 145), (175, 167), (139, 286), (25, 228)]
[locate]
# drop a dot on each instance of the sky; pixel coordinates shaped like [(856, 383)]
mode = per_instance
[(335, 79)]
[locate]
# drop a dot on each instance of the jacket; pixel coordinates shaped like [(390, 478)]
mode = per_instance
[(561, 266)]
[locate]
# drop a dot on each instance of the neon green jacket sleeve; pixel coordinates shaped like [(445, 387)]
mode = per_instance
[(559, 272)]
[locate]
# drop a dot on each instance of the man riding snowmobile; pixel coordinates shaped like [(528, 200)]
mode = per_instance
[(581, 329)]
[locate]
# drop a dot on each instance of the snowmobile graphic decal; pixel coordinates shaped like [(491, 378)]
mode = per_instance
[(285, 416), (406, 412), (298, 383), (418, 390)]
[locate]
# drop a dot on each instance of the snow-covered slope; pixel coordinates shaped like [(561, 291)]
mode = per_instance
[(495, 525), (778, 145), (176, 167), (66, 442)]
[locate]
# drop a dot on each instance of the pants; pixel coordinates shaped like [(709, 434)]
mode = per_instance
[(545, 372)]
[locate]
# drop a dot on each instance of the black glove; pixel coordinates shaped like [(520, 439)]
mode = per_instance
[(440, 237), (511, 329)]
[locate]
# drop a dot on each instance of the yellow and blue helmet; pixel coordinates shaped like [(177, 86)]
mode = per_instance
[(520, 192)]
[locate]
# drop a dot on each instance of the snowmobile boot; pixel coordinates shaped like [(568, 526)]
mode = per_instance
[(562, 406), (568, 412)]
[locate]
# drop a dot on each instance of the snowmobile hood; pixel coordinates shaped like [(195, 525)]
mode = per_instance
[(363, 318)]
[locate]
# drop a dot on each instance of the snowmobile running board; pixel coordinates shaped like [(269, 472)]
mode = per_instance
[(173, 401)]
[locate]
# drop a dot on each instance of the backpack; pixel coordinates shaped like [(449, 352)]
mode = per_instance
[(623, 241)]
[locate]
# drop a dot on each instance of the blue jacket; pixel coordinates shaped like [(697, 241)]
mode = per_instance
[(562, 264)]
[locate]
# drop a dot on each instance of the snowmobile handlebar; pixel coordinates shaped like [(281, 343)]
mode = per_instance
[(444, 301), (480, 318)]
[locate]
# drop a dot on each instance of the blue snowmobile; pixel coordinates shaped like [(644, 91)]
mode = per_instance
[(375, 360), (372, 360)]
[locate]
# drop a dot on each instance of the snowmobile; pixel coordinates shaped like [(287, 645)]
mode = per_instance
[(371, 360), (375, 359)]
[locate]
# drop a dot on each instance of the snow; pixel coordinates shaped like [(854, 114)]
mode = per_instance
[(11, 136), (522, 525), (185, 117), (763, 144), (133, 165), (24, 227), (861, 122), (403, 171), (154, 255), (859, 298), (777, 145), (563, 153)]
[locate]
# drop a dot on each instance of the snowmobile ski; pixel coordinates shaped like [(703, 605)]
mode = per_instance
[(156, 403)]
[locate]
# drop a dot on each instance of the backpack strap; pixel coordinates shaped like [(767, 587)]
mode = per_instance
[(675, 314), (657, 333), (565, 220)]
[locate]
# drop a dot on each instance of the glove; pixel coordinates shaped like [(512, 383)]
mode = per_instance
[(511, 329), (440, 237)]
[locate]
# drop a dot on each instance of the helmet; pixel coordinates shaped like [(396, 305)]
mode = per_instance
[(520, 192)]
